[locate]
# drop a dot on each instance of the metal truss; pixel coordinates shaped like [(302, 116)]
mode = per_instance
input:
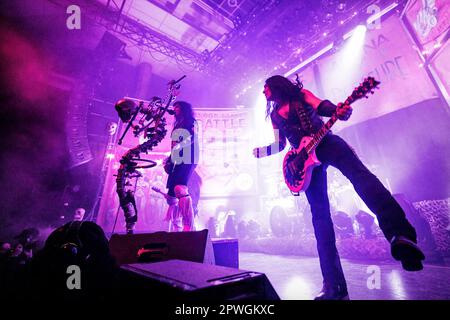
[(242, 27), (110, 16), (149, 39)]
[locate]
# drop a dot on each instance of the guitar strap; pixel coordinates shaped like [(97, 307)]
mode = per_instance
[(305, 121)]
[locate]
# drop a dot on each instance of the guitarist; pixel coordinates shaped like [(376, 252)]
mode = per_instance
[(295, 113), (180, 165)]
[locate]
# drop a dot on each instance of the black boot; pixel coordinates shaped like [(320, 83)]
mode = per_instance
[(130, 223), (332, 292), (406, 251)]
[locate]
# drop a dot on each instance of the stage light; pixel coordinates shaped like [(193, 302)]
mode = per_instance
[(361, 28), (110, 156), (358, 33)]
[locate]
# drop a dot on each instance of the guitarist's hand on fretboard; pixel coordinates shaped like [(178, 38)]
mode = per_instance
[(343, 111)]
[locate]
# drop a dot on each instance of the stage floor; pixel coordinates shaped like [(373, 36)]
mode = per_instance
[(299, 278)]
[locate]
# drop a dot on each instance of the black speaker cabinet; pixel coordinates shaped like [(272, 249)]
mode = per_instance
[(186, 280), (161, 246), (226, 252)]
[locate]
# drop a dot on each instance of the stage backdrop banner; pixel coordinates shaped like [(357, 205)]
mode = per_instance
[(429, 20), (386, 54), (441, 65), (226, 165)]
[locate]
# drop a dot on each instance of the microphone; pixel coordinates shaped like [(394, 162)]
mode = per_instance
[(169, 111), (174, 82)]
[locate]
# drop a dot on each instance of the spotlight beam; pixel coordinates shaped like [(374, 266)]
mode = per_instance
[(369, 20)]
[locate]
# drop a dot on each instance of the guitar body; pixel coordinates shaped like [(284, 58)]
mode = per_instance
[(297, 170)]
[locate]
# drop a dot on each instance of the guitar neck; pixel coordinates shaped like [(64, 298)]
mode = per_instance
[(159, 191), (317, 137)]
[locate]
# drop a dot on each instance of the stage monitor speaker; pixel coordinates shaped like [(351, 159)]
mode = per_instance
[(161, 246), (185, 280), (226, 252)]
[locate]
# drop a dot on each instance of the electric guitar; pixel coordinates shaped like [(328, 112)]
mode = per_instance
[(156, 189), (299, 163)]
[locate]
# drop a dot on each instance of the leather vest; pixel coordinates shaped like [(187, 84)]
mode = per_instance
[(302, 122)]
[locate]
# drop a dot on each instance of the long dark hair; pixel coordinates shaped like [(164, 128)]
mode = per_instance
[(187, 114), (284, 90)]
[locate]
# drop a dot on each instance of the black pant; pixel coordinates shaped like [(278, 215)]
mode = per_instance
[(334, 151), (179, 176)]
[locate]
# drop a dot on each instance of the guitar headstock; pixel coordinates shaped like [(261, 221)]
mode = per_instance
[(363, 90), (156, 189)]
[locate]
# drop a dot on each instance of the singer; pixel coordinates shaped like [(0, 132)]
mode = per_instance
[(179, 166)]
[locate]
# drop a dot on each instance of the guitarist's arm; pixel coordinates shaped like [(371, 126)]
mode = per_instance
[(277, 146), (326, 108)]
